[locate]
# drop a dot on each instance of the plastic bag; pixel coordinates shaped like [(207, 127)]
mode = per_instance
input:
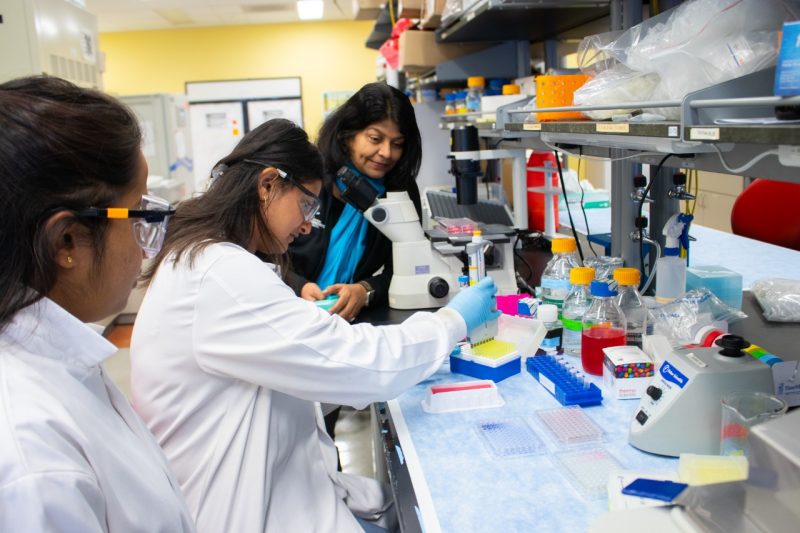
[(600, 52), (681, 319), (452, 9), (780, 299), (390, 49), (615, 85), (604, 266), (695, 45)]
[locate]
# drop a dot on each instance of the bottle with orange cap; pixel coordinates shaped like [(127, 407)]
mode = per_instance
[(555, 278), (631, 303), (475, 86), (576, 304)]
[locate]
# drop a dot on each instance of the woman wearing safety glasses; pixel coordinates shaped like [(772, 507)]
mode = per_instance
[(75, 222), (229, 364)]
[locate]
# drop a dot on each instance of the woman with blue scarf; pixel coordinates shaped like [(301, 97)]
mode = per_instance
[(375, 134)]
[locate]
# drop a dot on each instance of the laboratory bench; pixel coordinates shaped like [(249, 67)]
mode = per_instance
[(445, 478)]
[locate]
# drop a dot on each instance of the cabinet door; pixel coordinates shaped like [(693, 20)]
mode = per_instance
[(260, 111), (216, 128)]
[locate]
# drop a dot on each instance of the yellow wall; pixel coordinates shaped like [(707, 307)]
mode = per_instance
[(327, 56)]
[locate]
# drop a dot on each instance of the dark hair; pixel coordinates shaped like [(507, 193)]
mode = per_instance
[(230, 210), (61, 147), (373, 103)]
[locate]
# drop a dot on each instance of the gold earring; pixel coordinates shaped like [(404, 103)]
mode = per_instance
[(69, 259)]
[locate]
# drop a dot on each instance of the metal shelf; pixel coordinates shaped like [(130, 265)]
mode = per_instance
[(528, 20), (771, 134)]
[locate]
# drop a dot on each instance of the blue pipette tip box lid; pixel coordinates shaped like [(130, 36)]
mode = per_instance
[(655, 489)]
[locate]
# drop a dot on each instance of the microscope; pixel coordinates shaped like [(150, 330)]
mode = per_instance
[(425, 269)]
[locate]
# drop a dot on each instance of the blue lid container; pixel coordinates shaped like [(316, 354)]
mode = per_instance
[(724, 283)]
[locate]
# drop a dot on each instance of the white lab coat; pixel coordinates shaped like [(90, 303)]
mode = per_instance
[(73, 454), (227, 366)]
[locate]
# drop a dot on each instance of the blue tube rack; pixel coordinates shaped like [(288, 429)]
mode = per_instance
[(567, 388)]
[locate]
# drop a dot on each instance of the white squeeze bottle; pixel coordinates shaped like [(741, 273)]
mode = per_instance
[(671, 268)]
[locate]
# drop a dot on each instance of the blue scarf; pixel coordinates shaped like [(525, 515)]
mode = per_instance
[(347, 240)]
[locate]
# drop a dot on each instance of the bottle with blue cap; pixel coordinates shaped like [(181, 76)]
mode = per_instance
[(604, 325)]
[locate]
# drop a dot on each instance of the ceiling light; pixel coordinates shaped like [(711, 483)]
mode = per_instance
[(309, 9)]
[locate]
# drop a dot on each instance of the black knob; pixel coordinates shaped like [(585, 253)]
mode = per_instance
[(639, 181), (679, 178), (654, 392), (379, 214), (640, 222), (438, 287), (732, 345)]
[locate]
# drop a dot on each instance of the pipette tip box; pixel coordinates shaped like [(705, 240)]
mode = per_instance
[(564, 384), (492, 359), (462, 396)]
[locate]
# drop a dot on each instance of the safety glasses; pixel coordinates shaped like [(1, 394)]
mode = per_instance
[(151, 225), (309, 206)]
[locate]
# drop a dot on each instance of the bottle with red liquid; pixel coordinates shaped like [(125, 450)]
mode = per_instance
[(603, 326)]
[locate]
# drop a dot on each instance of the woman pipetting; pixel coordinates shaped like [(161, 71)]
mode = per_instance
[(229, 364), (75, 219)]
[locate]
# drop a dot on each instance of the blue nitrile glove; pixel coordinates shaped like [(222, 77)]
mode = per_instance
[(476, 304)]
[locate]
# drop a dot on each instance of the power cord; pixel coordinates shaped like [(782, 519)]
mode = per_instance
[(583, 210), (564, 190), (532, 239)]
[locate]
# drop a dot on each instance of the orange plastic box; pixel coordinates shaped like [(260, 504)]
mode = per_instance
[(557, 91)]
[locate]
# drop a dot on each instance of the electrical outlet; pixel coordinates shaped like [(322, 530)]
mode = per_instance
[(789, 155)]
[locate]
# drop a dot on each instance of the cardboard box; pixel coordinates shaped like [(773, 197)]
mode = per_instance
[(431, 16), (409, 9), (627, 372), (419, 50), (367, 9)]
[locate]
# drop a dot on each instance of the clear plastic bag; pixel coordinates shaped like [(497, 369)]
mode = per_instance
[(452, 9), (680, 319), (780, 299), (615, 85), (695, 45), (600, 52)]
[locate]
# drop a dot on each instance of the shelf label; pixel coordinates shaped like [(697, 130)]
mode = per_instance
[(618, 127), (704, 134), (532, 126), (672, 131)]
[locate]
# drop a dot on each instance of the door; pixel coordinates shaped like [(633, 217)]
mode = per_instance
[(216, 129)]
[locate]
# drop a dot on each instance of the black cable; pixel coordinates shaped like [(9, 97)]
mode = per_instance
[(583, 210), (641, 207), (564, 190), (521, 257)]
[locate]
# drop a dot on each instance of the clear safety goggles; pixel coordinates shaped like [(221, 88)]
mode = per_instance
[(149, 229), (309, 205)]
